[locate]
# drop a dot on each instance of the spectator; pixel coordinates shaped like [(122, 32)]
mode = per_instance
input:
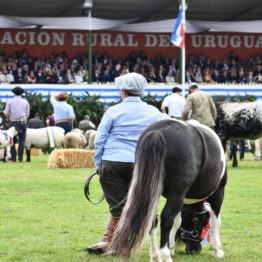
[(69, 78), (189, 77), (10, 77), (50, 120), (170, 78), (207, 78), (79, 77), (250, 77), (31, 79), (198, 75), (2, 78), (106, 68), (19, 76), (36, 122)]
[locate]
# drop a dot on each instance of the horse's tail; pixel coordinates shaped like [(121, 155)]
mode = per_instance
[(143, 197)]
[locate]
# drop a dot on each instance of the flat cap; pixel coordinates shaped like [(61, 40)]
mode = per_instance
[(132, 82)]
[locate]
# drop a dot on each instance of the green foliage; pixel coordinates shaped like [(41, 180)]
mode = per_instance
[(38, 104), (153, 100), (236, 98), (86, 105)]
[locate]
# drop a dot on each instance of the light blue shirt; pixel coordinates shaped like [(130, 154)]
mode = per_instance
[(120, 129), (62, 110)]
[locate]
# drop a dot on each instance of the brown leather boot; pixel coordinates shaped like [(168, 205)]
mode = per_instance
[(101, 246)]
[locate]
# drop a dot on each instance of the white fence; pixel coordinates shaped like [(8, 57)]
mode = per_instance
[(108, 92)]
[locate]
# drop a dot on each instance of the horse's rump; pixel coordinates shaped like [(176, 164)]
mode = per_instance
[(194, 157)]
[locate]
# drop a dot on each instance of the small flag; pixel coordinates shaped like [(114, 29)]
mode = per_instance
[(178, 35)]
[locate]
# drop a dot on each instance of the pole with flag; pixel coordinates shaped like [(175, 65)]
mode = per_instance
[(178, 38)]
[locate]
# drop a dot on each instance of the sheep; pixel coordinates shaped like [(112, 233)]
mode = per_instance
[(47, 137), (90, 135), (74, 139), (6, 141)]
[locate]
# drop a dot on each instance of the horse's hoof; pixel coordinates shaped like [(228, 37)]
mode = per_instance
[(156, 258), (218, 254)]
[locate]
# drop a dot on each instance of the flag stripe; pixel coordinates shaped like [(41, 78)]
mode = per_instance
[(178, 34)]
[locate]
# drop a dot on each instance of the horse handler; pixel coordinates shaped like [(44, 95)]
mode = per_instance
[(115, 144), (17, 110)]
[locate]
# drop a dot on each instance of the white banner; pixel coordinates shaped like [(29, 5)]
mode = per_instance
[(109, 93)]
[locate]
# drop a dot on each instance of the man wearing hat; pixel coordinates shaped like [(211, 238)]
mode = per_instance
[(17, 110), (175, 103), (201, 106), (63, 112), (115, 144)]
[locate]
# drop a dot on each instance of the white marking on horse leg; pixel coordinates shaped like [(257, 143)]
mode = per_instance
[(215, 223), (176, 225), (166, 254), (154, 250), (257, 149)]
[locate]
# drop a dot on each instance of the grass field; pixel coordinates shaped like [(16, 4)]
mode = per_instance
[(44, 216)]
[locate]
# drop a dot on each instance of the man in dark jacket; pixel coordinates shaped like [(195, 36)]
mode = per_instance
[(36, 122)]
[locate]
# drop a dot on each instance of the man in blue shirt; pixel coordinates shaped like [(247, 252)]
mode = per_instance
[(63, 112), (115, 144)]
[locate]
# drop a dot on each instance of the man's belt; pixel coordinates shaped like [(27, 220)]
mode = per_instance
[(63, 120), (18, 120)]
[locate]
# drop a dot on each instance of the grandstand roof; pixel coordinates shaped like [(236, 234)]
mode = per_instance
[(143, 10)]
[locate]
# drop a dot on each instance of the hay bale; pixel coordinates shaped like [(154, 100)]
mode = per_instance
[(36, 152), (71, 158)]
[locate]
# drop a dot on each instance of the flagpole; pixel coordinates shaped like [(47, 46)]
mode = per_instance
[(178, 39), (183, 51)]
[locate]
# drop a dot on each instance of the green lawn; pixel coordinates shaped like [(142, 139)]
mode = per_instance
[(44, 215)]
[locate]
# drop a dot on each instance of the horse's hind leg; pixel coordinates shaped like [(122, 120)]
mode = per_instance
[(215, 221), (154, 250), (170, 222)]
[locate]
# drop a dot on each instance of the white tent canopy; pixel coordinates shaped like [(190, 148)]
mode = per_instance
[(164, 26)]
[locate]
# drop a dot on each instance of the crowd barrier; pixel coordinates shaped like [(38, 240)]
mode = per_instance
[(109, 93)]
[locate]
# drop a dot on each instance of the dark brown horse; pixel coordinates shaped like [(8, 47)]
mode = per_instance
[(183, 161)]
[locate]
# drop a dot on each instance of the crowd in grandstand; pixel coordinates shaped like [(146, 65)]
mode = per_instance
[(59, 68)]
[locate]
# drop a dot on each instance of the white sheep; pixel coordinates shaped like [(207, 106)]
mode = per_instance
[(6, 141), (47, 137), (90, 135), (74, 139)]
